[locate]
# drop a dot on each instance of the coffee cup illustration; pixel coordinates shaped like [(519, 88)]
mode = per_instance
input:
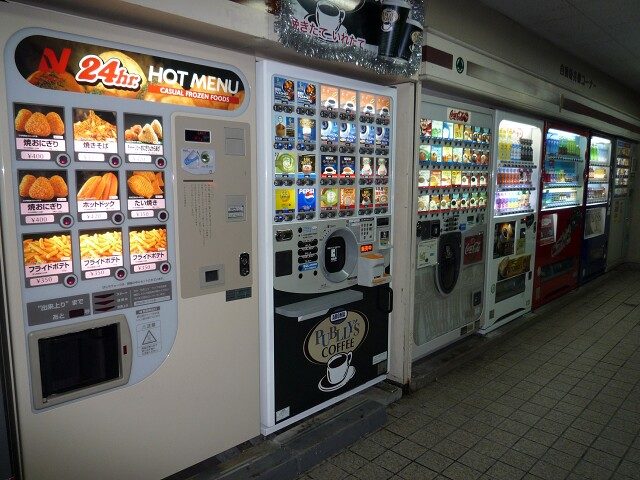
[(394, 17), (329, 16), (338, 367)]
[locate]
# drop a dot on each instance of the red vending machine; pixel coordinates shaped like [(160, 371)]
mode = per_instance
[(559, 236)]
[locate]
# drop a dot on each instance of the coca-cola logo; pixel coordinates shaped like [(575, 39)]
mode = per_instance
[(459, 115), (473, 248)]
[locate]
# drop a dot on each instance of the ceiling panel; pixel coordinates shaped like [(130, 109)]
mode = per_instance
[(604, 33)]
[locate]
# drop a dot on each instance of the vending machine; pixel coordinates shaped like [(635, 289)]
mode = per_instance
[(511, 245), (128, 245), (560, 225), (597, 208), (622, 168), (326, 189), (452, 187)]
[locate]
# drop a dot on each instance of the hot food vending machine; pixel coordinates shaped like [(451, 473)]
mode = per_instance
[(326, 184), (593, 258), (623, 167), (452, 193), (559, 236), (511, 246), (127, 240)]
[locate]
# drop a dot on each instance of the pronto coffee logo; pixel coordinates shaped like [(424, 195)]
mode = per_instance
[(456, 115), (340, 332), (389, 17), (473, 248)]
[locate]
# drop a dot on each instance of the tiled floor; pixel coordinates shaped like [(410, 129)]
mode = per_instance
[(560, 399)]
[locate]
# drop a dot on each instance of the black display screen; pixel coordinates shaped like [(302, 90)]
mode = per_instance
[(198, 136), (334, 254), (79, 359)]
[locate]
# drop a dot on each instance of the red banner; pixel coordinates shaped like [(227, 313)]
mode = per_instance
[(473, 249)]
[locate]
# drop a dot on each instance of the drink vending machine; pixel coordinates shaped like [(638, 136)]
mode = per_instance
[(453, 169), (511, 245), (593, 258), (559, 235), (128, 241), (622, 167), (326, 183)]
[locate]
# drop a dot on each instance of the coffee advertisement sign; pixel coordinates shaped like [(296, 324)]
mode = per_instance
[(382, 35)]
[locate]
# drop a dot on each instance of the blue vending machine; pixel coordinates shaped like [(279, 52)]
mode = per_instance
[(597, 203)]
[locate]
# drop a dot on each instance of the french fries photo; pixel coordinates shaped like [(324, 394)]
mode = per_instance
[(100, 244), (148, 240), (43, 250)]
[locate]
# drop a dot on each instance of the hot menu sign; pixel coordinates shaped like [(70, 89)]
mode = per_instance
[(72, 66)]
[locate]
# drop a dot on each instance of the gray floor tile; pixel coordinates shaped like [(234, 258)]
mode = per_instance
[(603, 459), (569, 446), (458, 471), (367, 449), (476, 460), (434, 461), (464, 438), (512, 426), (450, 449), (415, 471), (385, 438), (530, 447), (392, 461), (609, 446), (540, 436), (502, 471), (500, 436), (489, 448), (325, 471), (518, 459), (560, 459), (585, 469), (579, 436), (409, 449), (548, 471), (348, 461), (629, 469), (372, 472)]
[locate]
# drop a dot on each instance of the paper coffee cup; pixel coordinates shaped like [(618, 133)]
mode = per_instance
[(393, 17), (410, 39)]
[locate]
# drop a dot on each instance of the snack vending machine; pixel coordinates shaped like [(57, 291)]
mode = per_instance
[(452, 190), (511, 246), (128, 241), (559, 236), (326, 184), (623, 167), (597, 208)]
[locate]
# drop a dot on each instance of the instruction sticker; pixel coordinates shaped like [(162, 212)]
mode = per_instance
[(149, 338), (198, 162)]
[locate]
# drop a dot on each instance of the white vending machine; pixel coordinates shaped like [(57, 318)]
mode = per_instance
[(511, 244), (452, 189), (325, 223), (128, 240)]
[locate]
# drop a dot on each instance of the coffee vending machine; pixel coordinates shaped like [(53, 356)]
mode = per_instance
[(325, 184), (128, 244)]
